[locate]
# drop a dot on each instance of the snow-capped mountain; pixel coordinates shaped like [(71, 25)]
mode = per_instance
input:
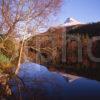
[(70, 22)]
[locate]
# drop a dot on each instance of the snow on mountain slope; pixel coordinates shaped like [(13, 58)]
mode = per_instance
[(70, 22)]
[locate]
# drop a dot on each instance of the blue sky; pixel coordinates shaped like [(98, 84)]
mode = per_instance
[(83, 10)]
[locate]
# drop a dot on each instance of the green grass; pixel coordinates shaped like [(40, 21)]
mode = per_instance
[(4, 59)]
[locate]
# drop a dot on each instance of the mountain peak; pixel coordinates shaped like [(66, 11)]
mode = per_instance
[(71, 21)]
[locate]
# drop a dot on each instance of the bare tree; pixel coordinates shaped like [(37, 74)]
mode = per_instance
[(33, 13)]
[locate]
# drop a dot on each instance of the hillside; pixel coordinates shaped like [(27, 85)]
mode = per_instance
[(53, 38)]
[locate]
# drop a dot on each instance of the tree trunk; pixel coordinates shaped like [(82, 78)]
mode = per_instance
[(20, 55)]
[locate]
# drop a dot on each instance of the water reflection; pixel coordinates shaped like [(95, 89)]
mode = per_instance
[(41, 84)]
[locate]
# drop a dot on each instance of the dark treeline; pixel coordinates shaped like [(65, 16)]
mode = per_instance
[(92, 29)]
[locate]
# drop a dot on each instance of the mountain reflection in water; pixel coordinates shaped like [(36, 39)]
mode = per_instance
[(41, 84)]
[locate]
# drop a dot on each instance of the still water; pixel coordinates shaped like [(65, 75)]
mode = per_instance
[(41, 84)]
